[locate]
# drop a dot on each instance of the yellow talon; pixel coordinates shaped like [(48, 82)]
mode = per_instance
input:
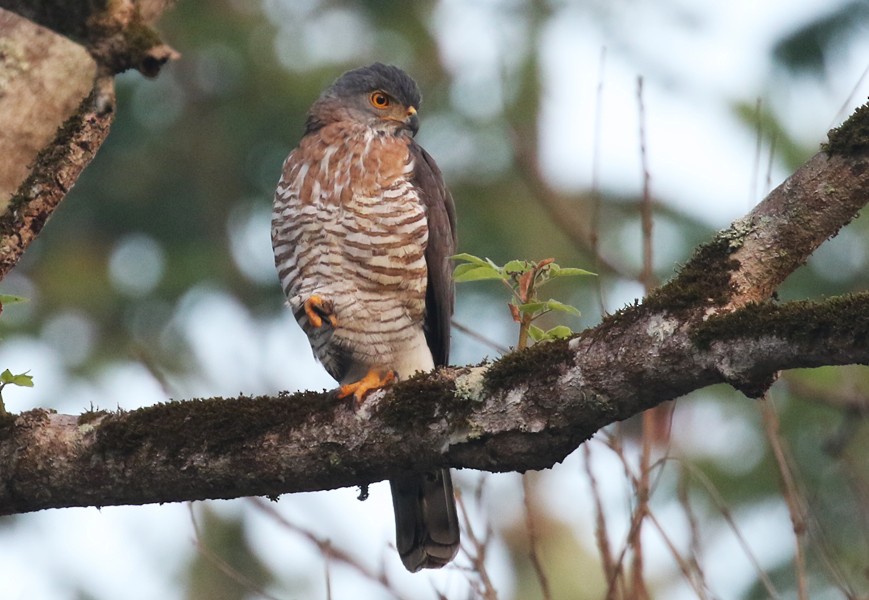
[(373, 380), (317, 307)]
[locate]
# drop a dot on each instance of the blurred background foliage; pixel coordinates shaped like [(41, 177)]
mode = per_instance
[(155, 277)]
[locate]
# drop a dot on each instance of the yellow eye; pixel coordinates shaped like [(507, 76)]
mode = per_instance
[(379, 100)]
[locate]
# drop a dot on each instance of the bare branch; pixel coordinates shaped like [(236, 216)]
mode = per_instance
[(43, 77), (117, 37), (797, 217), (54, 172)]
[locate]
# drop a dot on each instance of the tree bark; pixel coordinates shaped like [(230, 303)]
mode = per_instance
[(43, 78), (116, 33), (57, 67), (55, 170)]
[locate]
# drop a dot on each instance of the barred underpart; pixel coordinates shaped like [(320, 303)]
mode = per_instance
[(349, 226)]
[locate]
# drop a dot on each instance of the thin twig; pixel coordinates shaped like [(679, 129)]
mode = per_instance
[(562, 210), (146, 359), (478, 556), (790, 491), (841, 112), (594, 233), (758, 142), (600, 526), (721, 505), (635, 540), (325, 547), (846, 397), (533, 539), (696, 548), (770, 163), (524, 326), (617, 577), (642, 488), (223, 566), (480, 338), (824, 550), (859, 486), (639, 588), (684, 565), (616, 580), (327, 564), (647, 276)]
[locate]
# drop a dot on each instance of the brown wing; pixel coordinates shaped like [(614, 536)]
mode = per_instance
[(441, 213)]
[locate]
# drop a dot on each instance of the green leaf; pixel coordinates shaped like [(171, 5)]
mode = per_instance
[(515, 266), (9, 299), (535, 333), (562, 307), (470, 258), (22, 379), (492, 264), (532, 307), (569, 272), (473, 272), (559, 332)]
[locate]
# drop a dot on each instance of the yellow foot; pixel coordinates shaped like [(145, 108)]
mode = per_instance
[(373, 380), (318, 308)]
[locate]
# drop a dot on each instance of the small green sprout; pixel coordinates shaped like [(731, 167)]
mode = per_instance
[(6, 377), (523, 278)]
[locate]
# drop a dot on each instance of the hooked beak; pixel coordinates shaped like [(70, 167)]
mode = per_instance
[(412, 120)]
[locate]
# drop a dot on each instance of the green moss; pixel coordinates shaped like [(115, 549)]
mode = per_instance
[(140, 38), (419, 399), (619, 320), (704, 280), (68, 18), (843, 317), (89, 416), (134, 53), (541, 362), (31, 418), (851, 137), (211, 425), (7, 421)]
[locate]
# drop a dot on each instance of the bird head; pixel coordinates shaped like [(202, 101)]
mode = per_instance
[(380, 96)]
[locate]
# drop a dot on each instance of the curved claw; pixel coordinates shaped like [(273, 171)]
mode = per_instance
[(373, 380), (318, 308)]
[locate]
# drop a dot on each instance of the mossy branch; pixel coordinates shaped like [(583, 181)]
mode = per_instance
[(525, 411)]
